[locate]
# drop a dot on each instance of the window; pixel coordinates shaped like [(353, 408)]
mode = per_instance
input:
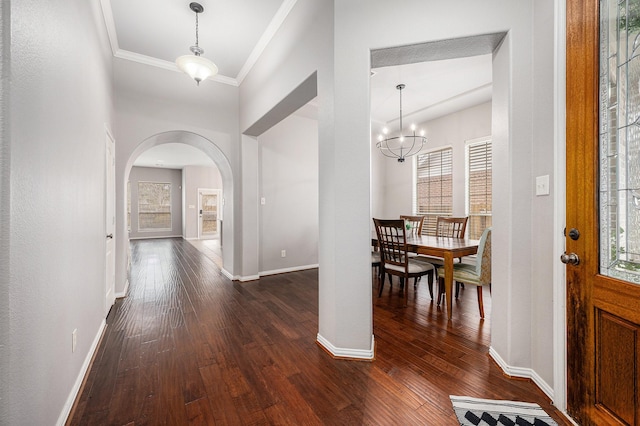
[(434, 187), (478, 187), (154, 206)]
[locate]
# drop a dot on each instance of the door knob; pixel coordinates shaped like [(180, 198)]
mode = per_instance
[(110, 236), (570, 259)]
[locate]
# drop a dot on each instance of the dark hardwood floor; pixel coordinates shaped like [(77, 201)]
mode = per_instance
[(189, 346)]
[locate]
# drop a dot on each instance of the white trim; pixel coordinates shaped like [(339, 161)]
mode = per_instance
[(365, 354), (66, 410), (270, 32), (285, 270), (229, 275), (272, 29), (247, 278), (107, 15), (526, 373), (151, 237), (559, 212), (170, 66), (120, 295)]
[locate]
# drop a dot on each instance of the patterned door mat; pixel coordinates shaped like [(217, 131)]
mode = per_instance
[(485, 412)]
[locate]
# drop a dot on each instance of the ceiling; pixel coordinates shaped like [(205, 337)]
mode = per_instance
[(233, 34)]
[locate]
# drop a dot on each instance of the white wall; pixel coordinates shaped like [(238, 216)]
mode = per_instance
[(60, 105), (452, 130), (542, 237), (357, 27), (288, 181), (195, 178), (5, 197), (160, 175), (154, 106), (361, 26)]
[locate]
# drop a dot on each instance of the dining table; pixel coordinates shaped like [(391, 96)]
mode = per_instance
[(446, 248)]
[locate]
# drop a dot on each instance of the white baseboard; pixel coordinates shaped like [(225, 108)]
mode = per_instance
[(291, 269), (152, 237), (362, 354), (526, 373), (229, 275), (123, 293), (249, 278), (267, 273), (66, 410)]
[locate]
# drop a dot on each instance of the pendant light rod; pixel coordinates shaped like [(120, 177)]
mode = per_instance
[(196, 66)]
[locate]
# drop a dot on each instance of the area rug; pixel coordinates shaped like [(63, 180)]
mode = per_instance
[(483, 412)]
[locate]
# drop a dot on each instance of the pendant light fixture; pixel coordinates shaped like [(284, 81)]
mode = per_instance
[(196, 66), (401, 146)]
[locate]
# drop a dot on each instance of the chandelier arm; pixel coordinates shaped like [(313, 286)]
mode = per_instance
[(400, 150)]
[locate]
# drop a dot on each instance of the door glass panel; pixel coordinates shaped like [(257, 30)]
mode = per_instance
[(620, 139), (209, 214)]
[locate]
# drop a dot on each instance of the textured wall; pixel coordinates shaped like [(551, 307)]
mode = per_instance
[(288, 155), (61, 102)]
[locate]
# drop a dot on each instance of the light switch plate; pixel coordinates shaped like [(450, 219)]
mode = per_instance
[(542, 185)]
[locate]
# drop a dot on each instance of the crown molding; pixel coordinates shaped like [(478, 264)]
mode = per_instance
[(269, 33), (171, 66), (272, 29)]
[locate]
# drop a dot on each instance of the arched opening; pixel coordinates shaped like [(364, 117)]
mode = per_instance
[(210, 149)]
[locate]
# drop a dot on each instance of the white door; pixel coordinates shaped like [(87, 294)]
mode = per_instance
[(110, 222), (208, 208)]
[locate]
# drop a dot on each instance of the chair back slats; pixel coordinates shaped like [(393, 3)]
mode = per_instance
[(392, 241), (453, 227), (413, 224)]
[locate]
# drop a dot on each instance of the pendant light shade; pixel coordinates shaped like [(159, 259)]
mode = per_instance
[(197, 67)]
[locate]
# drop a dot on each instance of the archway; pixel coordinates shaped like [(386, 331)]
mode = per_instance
[(210, 149)]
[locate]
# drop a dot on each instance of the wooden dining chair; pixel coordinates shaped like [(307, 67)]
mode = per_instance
[(413, 224), (395, 259), (478, 274), (453, 227)]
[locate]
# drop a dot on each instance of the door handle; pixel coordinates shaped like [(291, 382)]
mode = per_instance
[(570, 259), (110, 236)]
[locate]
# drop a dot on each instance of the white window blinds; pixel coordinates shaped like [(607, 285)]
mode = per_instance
[(434, 187), (479, 183)]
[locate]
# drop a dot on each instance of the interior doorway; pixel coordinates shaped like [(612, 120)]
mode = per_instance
[(208, 214)]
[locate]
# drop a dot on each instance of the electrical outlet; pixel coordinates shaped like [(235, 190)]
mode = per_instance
[(283, 253), (74, 339)]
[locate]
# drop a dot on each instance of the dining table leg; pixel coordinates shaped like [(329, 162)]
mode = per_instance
[(448, 281)]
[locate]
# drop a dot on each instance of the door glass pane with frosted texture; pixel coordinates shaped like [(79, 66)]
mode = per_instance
[(619, 186)]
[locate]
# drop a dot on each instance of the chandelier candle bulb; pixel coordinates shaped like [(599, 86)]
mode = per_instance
[(401, 146)]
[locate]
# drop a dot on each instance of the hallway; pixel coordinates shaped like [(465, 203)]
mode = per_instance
[(189, 346)]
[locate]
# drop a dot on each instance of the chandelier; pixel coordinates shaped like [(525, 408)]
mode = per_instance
[(401, 146), (197, 67)]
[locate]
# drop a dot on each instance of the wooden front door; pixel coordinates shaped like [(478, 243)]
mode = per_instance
[(603, 211)]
